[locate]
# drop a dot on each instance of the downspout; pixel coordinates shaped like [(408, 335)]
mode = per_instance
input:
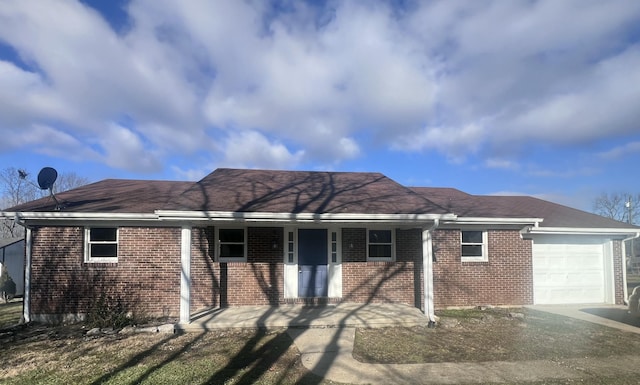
[(427, 272), (625, 291), (26, 298)]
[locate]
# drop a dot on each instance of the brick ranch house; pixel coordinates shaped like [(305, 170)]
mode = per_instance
[(258, 237)]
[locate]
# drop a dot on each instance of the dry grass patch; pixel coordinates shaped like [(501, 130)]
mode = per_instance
[(10, 313), (494, 335), (67, 356)]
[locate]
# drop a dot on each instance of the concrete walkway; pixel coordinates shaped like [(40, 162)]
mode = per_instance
[(325, 337), (613, 316)]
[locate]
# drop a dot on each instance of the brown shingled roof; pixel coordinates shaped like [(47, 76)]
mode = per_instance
[(303, 192), (490, 206), (235, 190), (112, 196)]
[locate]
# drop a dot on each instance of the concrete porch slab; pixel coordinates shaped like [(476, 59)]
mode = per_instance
[(327, 316)]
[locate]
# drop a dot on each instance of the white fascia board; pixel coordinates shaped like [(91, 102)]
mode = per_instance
[(495, 221), (297, 217), (76, 216), (579, 231)]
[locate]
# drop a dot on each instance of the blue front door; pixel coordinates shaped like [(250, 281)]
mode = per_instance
[(312, 263)]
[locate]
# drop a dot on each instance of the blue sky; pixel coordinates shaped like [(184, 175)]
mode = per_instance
[(492, 97)]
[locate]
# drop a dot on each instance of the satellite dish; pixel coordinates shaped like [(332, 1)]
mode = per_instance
[(47, 177)]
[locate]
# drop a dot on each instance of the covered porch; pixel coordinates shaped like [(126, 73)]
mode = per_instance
[(303, 316)]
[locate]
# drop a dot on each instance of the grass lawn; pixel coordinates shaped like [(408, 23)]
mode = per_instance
[(66, 355), (41, 355), (10, 313), (491, 335)]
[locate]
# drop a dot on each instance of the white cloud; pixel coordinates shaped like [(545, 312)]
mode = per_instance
[(482, 78), (621, 151), (192, 174), (50, 141), (455, 142), (570, 172), (126, 150), (87, 76), (530, 75), (501, 164), (252, 149)]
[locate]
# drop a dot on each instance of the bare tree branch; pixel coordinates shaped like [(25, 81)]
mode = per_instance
[(18, 186), (623, 207)]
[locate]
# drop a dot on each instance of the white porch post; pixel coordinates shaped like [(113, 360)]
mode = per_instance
[(185, 276), (427, 268), (26, 300)]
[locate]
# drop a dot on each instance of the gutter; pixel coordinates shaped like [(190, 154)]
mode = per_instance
[(57, 215), (233, 216), (493, 221), (625, 291), (577, 231)]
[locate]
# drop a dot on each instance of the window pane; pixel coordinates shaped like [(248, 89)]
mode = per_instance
[(231, 235), (472, 237), (379, 236), (334, 236), (379, 251), (104, 250), (471, 250), (231, 251), (290, 236), (103, 234), (291, 247)]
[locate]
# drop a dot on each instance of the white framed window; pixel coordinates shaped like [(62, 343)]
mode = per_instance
[(290, 256), (380, 245), (101, 244), (333, 246), (232, 244), (474, 246)]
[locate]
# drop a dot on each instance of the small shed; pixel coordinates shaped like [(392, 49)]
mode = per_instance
[(12, 256)]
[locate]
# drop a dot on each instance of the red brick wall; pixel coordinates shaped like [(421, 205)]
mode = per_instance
[(505, 279), (205, 272), (146, 277), (354, 245), (397, 282), (147, 274), (617, 272), (259, 281)]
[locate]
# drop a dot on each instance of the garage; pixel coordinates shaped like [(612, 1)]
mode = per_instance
[(572, 269)]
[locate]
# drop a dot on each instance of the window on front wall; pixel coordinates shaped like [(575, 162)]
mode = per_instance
[(101, 244), (380, 245), (474, 246), (232, 245)]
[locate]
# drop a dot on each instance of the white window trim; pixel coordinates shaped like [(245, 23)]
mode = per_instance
[(338, 243), (485, 248), (393, 246), (87, 246), (219, 245), (294, 242)]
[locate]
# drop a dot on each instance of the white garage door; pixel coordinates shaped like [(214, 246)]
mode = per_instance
[(569, 270)]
